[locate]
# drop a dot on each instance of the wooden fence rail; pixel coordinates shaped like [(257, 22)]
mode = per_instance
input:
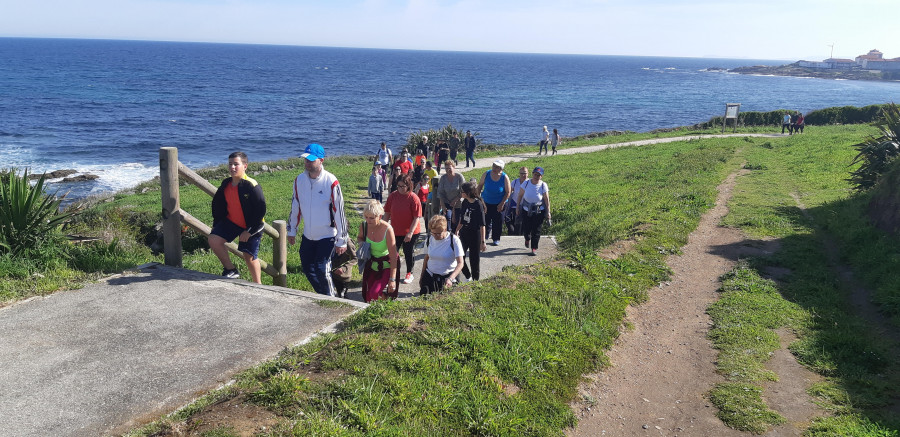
[(173, 216)]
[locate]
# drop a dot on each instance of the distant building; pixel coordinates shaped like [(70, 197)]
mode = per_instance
[(830, 63), (874, 60), (873, 55)]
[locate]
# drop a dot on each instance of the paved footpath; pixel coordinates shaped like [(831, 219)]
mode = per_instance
[(121, 352)]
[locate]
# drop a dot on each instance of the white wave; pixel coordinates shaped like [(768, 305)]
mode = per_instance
[(112, 177), (670, 68), (14, 155), (115, 177)]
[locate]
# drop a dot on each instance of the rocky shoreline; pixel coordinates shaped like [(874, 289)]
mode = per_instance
[(795, 70), (66, 175)]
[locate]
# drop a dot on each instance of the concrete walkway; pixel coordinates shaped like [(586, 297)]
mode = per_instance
[(121, 352)]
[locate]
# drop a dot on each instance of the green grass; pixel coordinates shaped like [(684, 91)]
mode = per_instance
[(861, 376), (741, 407)]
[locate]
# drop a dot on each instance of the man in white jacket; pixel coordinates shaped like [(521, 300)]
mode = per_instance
[(319, 202)]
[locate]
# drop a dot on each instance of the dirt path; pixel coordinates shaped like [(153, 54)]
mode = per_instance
[(662, 369)]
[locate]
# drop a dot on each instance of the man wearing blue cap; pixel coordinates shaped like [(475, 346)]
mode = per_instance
[(318, 200)]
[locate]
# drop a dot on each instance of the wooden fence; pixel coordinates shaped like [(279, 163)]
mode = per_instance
[(173, 216)]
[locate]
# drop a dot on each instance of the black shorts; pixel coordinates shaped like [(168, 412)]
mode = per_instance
[(229, 231)]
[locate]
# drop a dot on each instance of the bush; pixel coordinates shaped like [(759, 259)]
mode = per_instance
[(102, 257), (833, 115), (875, 153), (30, 219), (845, 115), (433, 135)]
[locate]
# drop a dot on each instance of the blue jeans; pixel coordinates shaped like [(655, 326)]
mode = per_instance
[(315, 260)]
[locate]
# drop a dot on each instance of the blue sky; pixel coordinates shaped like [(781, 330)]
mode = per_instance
[(759, 29)]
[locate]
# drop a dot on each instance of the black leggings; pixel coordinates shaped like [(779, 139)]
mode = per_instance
[(429, 283), (471, 242), (494, 219), (408, 249), (531, 227)]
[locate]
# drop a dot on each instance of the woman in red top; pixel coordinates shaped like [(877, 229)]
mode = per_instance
[(403, 210)]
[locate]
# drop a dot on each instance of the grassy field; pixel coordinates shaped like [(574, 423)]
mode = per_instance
[(504, 356), (860, 389)]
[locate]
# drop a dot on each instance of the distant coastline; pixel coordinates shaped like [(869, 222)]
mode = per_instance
[(794, 70)]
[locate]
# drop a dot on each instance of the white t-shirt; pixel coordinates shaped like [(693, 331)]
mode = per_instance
[(384, 156), (545, 135), (533, 193), (516, 185), (441, 255)]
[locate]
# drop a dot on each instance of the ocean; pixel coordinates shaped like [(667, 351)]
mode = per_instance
[(106, 107)]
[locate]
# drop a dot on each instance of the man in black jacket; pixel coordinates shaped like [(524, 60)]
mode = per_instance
[(238, 210), (470, 149)]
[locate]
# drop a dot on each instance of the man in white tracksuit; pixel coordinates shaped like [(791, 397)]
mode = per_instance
[(319, 202)]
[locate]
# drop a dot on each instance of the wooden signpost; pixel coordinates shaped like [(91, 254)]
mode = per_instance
[(731, 112)]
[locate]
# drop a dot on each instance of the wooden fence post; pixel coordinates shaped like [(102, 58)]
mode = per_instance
[(279, 253), (171, 206)]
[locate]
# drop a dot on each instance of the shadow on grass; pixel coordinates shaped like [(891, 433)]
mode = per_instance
[(846, 339)]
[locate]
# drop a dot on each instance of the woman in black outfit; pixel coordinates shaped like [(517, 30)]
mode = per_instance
[(471, 228)]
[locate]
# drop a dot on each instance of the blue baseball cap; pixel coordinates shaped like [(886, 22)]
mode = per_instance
[(313, 152), (538, 170)]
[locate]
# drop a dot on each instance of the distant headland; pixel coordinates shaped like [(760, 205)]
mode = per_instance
[(871, 66)]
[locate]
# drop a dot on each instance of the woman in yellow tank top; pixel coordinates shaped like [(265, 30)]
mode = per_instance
[(380, 267)]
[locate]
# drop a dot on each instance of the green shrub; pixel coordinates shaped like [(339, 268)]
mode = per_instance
[(826, 116), (433, 135), (845, 115), (875, 153), (102, 257), (30, 219)]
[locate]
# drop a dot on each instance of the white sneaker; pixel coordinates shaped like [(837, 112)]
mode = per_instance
[(408, 279)]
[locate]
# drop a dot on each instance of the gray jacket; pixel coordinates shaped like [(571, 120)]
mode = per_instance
[(450, 190)]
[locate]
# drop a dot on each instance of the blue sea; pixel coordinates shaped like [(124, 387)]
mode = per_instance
[(106, 107)]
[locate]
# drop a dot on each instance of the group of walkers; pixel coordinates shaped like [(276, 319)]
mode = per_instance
[(793, 122), (462, 217)]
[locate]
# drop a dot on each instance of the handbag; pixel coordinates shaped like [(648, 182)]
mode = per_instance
[(364, 252)]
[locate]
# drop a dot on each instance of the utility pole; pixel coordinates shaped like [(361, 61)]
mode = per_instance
[(832, 51)]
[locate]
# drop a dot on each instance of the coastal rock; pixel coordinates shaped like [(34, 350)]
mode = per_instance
[(81, 178), (56, 174), (265, 168), (795, 70)]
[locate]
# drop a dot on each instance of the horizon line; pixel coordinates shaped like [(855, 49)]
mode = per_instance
[(382, 48)]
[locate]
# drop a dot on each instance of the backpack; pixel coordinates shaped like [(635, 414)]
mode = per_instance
[(364, 252)]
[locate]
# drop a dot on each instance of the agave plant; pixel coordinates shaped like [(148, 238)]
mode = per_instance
[(29, 217), (433, 135), (875, 153)]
